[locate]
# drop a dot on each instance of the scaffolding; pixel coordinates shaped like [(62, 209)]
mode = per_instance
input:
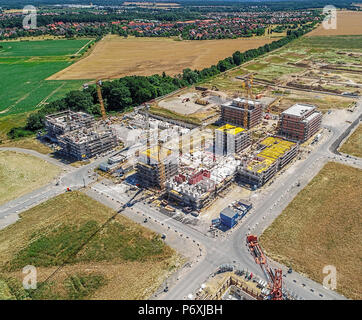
[(230, 140), (57, 124), (274, 155), (300, 122), (78, 135), (155, 166), (242, 112)]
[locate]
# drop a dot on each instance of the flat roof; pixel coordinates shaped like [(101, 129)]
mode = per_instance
[(228, 212), (312, 116), (299, 109)]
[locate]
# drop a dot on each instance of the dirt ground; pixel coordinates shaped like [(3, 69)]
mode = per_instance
[(235, 193), (322, 226), (348, 23), (115, 56), (21, 173)]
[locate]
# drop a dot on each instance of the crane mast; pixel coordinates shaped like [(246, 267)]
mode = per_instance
[(100, 99)]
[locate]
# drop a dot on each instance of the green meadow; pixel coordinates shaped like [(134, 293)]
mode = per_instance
[(24, 68)]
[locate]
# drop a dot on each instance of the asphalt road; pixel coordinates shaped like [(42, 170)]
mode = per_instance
[(71, 177), (214, 251)]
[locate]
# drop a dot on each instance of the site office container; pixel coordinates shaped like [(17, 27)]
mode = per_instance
[(229, 217)]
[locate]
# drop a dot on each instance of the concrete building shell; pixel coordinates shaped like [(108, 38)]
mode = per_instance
[(300, 122), (230, 140), (274, 155), (233, 112)]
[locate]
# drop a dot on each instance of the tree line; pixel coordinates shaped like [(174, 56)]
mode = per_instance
[(125, 93)]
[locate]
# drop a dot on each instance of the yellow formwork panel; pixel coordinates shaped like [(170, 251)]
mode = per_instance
[(235, 131), (230, 129), (275, 148), (226, 127), (153, 152)]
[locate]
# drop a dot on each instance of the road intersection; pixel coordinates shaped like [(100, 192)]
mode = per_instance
[(213, 251)]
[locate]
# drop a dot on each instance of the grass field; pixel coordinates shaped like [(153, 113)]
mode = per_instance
[(30, 143), (24, 66), (353, 145), (322, 226), (21, 173), (122, 261), (348, 23), (114, 56), (330, 43)]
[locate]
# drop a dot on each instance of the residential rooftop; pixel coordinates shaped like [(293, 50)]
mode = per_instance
[(299, 109)]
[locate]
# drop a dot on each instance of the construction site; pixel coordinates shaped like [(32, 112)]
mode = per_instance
[(230, 282), (78, 135), (191, 168), (275, 153), (300, 122)]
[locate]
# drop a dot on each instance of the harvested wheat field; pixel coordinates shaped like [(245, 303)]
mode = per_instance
[(353, 144), (348, 23), (322, 226), (21, 173), (115, 57), (115, 260)]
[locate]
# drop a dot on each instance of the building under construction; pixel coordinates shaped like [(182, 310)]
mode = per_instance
[(230, 140), (197, 187), (246, 113), (300, 122), (60, 123), (156, 165), (275, 154), (78, 135)]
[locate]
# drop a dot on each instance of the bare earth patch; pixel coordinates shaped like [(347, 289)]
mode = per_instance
[(115, 57), (322, 226)]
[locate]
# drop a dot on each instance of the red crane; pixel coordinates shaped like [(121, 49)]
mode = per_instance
[(275, 279)]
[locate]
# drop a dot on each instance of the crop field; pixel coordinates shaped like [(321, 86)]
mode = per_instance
[(21, 173), (24, 68), (353, 144), (348, 23), (123, 260), (322, 226), (115, 56)]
